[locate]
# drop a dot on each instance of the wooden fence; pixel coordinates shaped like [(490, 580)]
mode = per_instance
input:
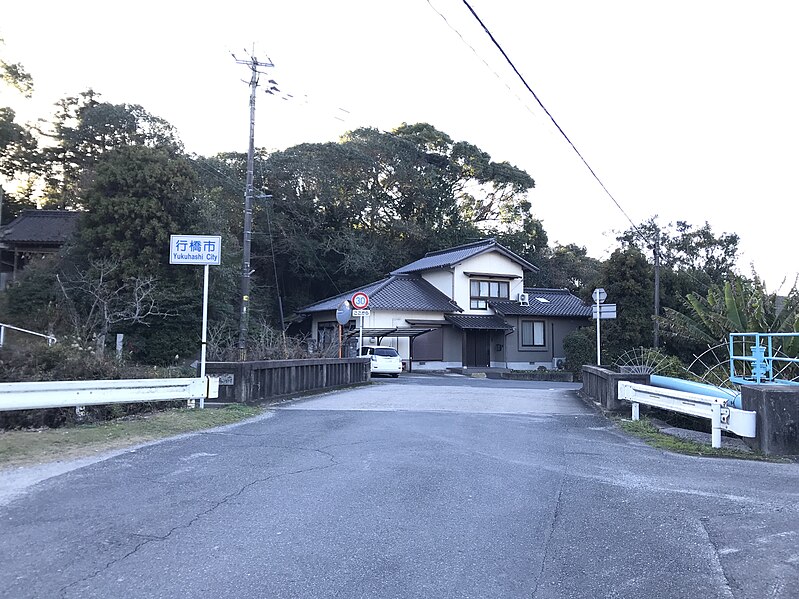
[(272, 380)]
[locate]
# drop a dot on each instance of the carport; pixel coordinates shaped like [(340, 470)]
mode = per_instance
[(410, 332)]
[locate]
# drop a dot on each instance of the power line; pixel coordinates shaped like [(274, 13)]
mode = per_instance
[(483, 60), (554, 122)]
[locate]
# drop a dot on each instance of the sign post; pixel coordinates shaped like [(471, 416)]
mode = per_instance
[(198, 249), (360, 301), (599, 295)]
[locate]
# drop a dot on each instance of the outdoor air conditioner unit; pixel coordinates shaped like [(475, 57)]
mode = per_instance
[(524, 299)]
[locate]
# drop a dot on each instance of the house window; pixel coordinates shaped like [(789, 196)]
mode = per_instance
[(482, 291), (533, 333)]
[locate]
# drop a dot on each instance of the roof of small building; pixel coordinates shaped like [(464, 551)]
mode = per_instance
[(451, 256), (396, 292), (545, 302), (40, 226)]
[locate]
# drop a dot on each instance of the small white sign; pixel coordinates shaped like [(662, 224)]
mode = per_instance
[(361, 312), (195, 249), (608, 311)]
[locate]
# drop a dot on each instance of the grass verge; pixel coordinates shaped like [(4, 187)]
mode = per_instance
[(26, 447), (645, 430)]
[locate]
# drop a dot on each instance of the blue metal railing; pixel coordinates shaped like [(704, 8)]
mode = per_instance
[(761, 358)]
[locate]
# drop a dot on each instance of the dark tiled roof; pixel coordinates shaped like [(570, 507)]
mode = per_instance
[(469, 321), (559, 302), (41, 226), (397, 292), (450, 257)]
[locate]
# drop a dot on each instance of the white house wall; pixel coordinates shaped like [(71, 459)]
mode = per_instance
[(442, 280), (489, 263)]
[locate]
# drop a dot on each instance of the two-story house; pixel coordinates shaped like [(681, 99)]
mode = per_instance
[(461, 307)]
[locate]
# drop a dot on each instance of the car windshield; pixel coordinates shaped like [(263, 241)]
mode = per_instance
[(388, 352)]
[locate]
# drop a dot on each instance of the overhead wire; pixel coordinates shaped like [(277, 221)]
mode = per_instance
[(507, 58), (483, 60), (551, 118)]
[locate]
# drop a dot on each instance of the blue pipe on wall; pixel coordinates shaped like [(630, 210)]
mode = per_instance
[(667, 382)]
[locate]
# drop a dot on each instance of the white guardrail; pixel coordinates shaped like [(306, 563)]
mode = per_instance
[(4, 326), (66, 394), (722, 416)]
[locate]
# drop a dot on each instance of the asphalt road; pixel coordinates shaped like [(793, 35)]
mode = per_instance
[(427, 486)]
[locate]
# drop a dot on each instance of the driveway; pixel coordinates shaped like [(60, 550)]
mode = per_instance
[(425, 486)]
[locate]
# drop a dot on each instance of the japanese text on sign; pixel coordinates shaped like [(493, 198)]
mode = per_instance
[(195, 249)]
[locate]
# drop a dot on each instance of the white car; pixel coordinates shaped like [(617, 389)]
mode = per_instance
[(385, 360)]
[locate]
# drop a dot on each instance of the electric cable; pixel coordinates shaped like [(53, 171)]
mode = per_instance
[(551, 118)]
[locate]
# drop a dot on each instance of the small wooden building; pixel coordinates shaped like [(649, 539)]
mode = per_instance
[(34, 233)]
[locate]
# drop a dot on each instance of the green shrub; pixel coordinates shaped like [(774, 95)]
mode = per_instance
[(580, 349)]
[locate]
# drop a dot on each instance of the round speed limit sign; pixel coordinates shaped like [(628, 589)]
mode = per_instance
[(360, 301)]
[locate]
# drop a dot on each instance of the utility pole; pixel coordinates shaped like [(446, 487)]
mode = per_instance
[(244, 316), (657, 287)]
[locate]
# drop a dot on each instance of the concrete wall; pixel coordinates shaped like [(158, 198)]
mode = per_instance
[(777, 408), (602, 385)]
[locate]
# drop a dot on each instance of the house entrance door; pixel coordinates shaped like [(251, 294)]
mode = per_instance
[(477, 349)]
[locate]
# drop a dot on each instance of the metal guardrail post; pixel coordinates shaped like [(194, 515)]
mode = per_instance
[(715, 410)]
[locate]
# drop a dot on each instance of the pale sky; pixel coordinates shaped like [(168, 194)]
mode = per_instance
[(685, 109)]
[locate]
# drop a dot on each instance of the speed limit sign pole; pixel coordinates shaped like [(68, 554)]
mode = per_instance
[(360, 301)]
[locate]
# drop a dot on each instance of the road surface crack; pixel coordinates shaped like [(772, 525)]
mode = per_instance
[(147, 539), (551, 532), (725, 582)]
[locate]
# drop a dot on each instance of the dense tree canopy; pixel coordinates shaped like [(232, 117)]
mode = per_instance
[(17, 143), (627, 278), (15, 75), (329, 217), (568, 267), (343, 214), (138, 198), (697, 251), (83, 130)]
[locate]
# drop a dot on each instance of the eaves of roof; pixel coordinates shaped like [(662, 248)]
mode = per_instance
[(545, 302), (41, 227), (491, 322), (396, 292), (451, 256)]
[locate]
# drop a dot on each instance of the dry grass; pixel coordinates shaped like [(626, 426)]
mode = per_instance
[(26, 447)]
